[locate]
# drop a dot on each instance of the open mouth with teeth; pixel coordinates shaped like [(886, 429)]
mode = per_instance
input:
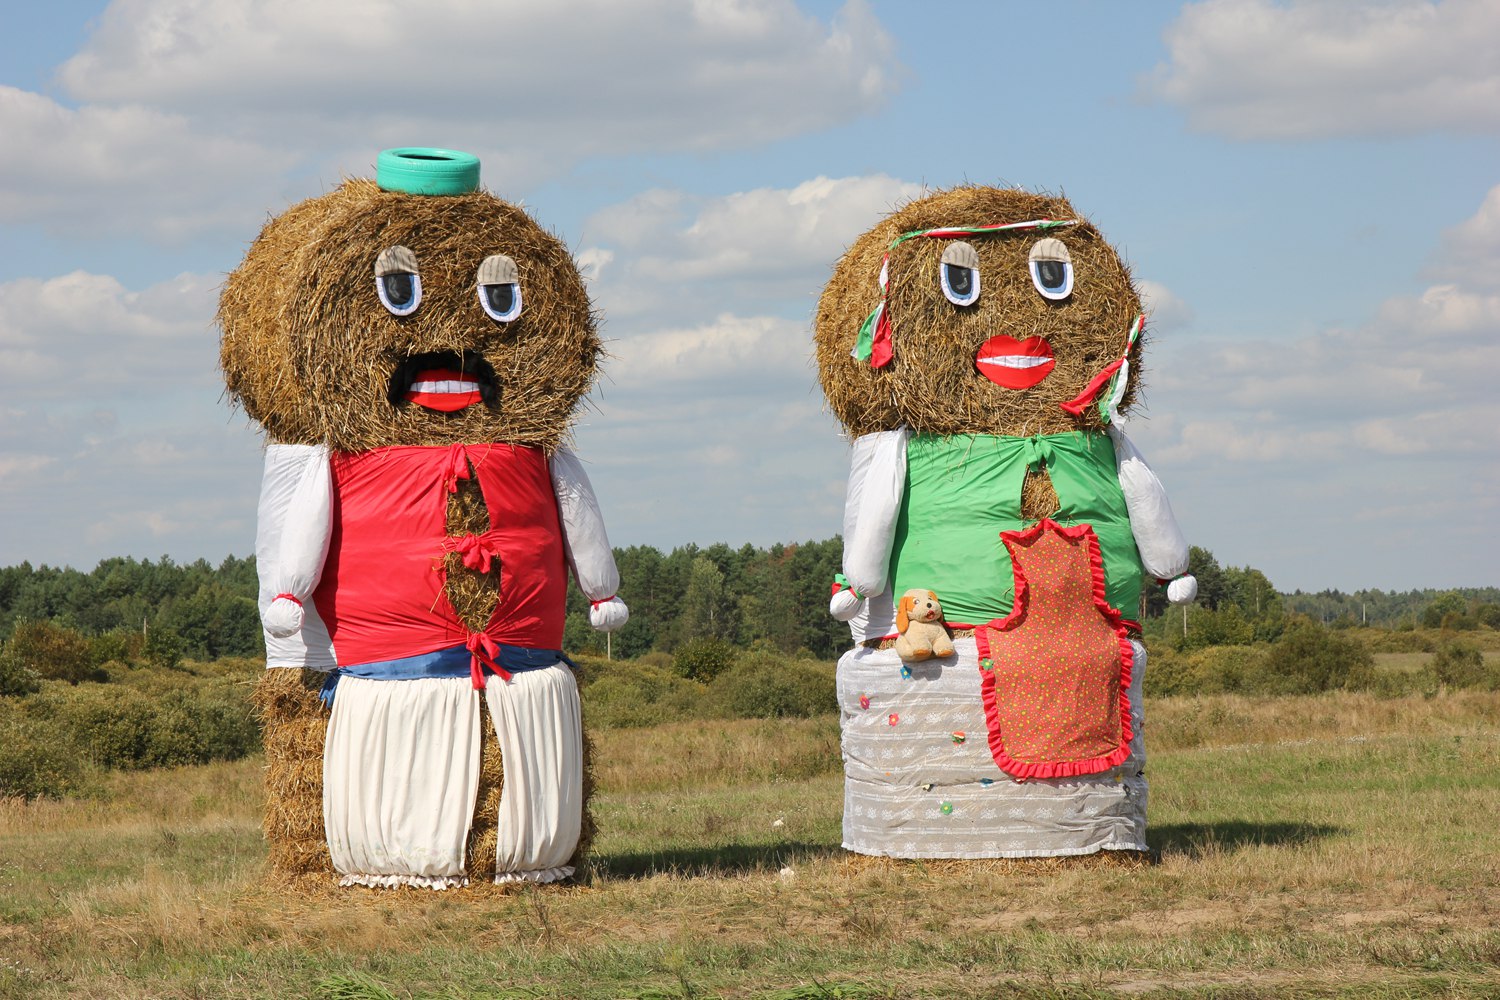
[(1015, 364), (443, 381)]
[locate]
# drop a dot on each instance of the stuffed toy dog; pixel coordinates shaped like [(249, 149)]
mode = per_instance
[(919, 619)]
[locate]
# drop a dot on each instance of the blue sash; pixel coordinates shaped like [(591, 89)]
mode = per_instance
[(452, 662)]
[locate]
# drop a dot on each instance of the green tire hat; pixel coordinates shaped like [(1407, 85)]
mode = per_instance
[(424, 170)]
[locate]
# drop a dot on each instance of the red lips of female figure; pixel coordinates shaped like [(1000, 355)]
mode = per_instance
[(443, 389), (1015, 364)]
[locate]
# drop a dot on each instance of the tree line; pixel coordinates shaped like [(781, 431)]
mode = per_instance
[(773, 598)]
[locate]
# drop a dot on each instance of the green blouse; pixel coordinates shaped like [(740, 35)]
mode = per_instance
[(963, 490)]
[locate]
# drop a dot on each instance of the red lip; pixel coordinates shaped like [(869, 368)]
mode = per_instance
[(1015, 364), (444, 390)]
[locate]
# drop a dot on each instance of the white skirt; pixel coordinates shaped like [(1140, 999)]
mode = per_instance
[(539, 726), (401, 774), (913, 788)]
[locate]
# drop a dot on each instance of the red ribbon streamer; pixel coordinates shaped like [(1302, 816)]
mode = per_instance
[(483, 652), (1080, 402)]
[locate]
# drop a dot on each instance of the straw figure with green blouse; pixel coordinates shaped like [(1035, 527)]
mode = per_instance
[(981, 347), (414, 349)]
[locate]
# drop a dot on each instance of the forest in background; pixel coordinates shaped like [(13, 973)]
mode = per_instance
[(772, 598), (140, 664)]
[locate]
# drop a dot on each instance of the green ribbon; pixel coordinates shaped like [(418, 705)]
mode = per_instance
[(843, 582)]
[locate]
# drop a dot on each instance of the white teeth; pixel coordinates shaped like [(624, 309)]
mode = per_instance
[(1014, 361), (445, 386)]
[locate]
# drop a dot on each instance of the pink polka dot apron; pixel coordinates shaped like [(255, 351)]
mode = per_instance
[(1055, 671)]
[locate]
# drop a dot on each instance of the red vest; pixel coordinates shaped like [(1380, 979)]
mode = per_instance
[(381, 593)]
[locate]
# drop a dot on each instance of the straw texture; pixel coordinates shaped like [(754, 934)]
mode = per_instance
[(312, 354), (932, 384)]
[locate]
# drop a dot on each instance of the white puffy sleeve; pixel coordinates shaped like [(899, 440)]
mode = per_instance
[(872, 504), (1164, 551), (586, 543), (293, 524)]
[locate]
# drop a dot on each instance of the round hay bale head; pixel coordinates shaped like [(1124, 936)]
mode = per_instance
[(312, 353), (933, 384)]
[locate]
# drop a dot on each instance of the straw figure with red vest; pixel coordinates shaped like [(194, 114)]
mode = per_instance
[(981, 347), (414, 349)]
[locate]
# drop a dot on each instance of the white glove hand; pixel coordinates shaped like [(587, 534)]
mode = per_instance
[(845, 605), (1183, 589), (608, 615), (283, 617)]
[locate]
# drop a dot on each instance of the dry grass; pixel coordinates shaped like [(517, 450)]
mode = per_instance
[(932, 385), (1347, 848)]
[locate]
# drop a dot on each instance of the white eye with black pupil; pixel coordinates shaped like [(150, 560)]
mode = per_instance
[(1052, 269), (500, 288), (959, 273), (397, 282)]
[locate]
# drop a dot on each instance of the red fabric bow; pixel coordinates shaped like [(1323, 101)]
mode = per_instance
[(476, 550), (458, 467), (602, 600), (484, 652)]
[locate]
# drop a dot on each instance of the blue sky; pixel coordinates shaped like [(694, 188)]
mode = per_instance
[(1308, 192)]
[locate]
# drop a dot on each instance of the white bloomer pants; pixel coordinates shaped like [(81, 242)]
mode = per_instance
[(401, 774)]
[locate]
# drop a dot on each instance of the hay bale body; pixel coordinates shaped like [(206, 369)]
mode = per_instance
[(294, 722), (311, 353), (922, 782)]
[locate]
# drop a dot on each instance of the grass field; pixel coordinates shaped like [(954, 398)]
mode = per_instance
[(1337, 845)]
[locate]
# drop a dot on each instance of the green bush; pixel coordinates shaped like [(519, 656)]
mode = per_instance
[(52, 652), (1168, 673), (1405, 639), (1213, 670), (36, 760), (626, 694), (703, 659), (764, 686), (163, 648), (1460, 664), (1310, 658), (115, 726), (1229, 669), (15, 677)]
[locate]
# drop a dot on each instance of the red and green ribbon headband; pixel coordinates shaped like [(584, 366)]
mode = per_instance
[(874, 341)]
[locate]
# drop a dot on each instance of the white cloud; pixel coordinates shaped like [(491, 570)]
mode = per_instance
[(114, 438), (732, 348), (559, 79), (126, 169), (1165, 310), (192, 114), (1471, 250), (671, 251), (75, 336), (1416, 382), (1254, 69)]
